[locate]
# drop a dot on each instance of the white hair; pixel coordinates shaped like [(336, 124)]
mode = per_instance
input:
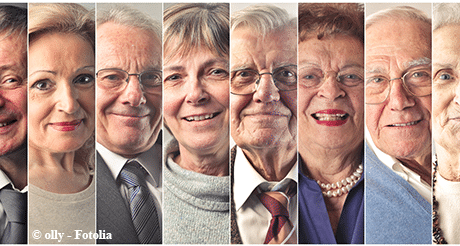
[(127, 16), (397, 13), (445, 14), (263, 18)]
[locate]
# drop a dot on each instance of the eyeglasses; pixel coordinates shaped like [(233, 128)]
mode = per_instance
[(313, 77), (117, 79), (417, 83), (246, 81)]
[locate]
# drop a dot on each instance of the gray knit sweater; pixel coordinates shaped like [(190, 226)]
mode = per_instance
[(196, 206)]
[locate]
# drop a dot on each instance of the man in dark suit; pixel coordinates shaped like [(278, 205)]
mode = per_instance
[(13, 125), (128, 123)]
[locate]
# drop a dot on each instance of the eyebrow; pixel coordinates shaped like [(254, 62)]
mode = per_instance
[(418, 62), (54, 72), (206, 64)]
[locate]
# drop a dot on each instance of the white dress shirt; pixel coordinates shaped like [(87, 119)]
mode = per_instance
[(251, 215), (423, 188), (4, 181), (150, 161)]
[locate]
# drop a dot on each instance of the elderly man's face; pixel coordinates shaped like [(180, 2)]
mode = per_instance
[(446, 87), (13, 93), (267, 117), (128, 120), (401, 125)]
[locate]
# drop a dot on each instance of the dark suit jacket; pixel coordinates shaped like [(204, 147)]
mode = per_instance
[(113, 216), (235, 232)]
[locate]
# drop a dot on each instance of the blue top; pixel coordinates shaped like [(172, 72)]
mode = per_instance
[(395, 211), (314, 224)]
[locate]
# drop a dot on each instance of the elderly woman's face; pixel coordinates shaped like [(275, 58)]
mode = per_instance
[(446, 87), (61, 92), (331, 112), (196, 100), (267, 117)]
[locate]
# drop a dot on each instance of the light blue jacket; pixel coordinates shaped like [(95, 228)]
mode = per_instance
[(395, 212)]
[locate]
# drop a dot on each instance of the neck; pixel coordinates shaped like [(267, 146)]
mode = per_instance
[(14, 165), (448, 163), (420, 165), (43, 158), (330, 165), (214, 164), (273, 164)]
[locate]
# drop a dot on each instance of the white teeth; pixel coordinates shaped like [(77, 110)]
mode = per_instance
[(201, 117), (406, 124), (329, 117), (3, 124)]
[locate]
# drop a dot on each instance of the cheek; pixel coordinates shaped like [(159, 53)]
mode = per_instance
[(104, 100), (237, 104), (154, 103), (373, 114), (221, 94), (290, 100), (305, 98)]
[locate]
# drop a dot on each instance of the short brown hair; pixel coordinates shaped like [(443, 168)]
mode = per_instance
[(325, 19)]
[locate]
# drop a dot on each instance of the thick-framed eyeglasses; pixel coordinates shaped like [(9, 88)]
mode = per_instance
[(311, 77), (118, 79), (246, 81), (416, 83)]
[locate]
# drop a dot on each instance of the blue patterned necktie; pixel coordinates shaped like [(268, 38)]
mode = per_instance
[(142, 206), (15, 206)]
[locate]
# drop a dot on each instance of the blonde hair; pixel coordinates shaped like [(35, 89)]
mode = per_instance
[(62, 18), (188, 26)]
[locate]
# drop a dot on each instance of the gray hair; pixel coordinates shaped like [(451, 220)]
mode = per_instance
[(13, 20), (445, 14), (194, 25), (127, 16), (263, 18), (398, 12)]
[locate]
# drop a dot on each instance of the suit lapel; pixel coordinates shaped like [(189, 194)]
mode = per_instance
[(235, 233), (112, 214)]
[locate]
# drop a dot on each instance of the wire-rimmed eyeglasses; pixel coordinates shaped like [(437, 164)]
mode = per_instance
[(246, 81), (118, 79)]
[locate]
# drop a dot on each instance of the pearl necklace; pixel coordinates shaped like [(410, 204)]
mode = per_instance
[(341, 187), (438, 238)]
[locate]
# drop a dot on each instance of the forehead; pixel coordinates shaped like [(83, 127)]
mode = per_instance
[(248, 48), (392, 44), (12, 49), (124, 47), (446, 48), (331, 51)]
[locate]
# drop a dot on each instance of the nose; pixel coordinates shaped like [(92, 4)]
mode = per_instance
[(67, 99), (456, 97), (133, 94), (399, 98), (266, 90), (196, 92), (330, 89)]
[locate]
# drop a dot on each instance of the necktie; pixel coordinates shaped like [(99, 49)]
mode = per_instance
[(142, 206), (277, 203), (15, 206)]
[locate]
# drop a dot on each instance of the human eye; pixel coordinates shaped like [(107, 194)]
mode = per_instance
[(42, 85), (375, 80), (444, 76), (10, 82), (84, 79), (218, 72), (173, 77), (151, 79), (350, 79)]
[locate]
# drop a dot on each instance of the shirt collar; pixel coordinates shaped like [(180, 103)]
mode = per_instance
[(150, 160), (247, 178), (394, 164), (4, 181)]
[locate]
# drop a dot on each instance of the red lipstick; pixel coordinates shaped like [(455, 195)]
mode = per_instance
[(66, 126)]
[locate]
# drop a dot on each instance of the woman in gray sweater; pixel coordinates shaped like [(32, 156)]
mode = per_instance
[(196, 113)]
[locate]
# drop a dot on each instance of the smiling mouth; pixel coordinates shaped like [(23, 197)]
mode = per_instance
[(7, 123), (201, 117), (405, 124), (329, 117)]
